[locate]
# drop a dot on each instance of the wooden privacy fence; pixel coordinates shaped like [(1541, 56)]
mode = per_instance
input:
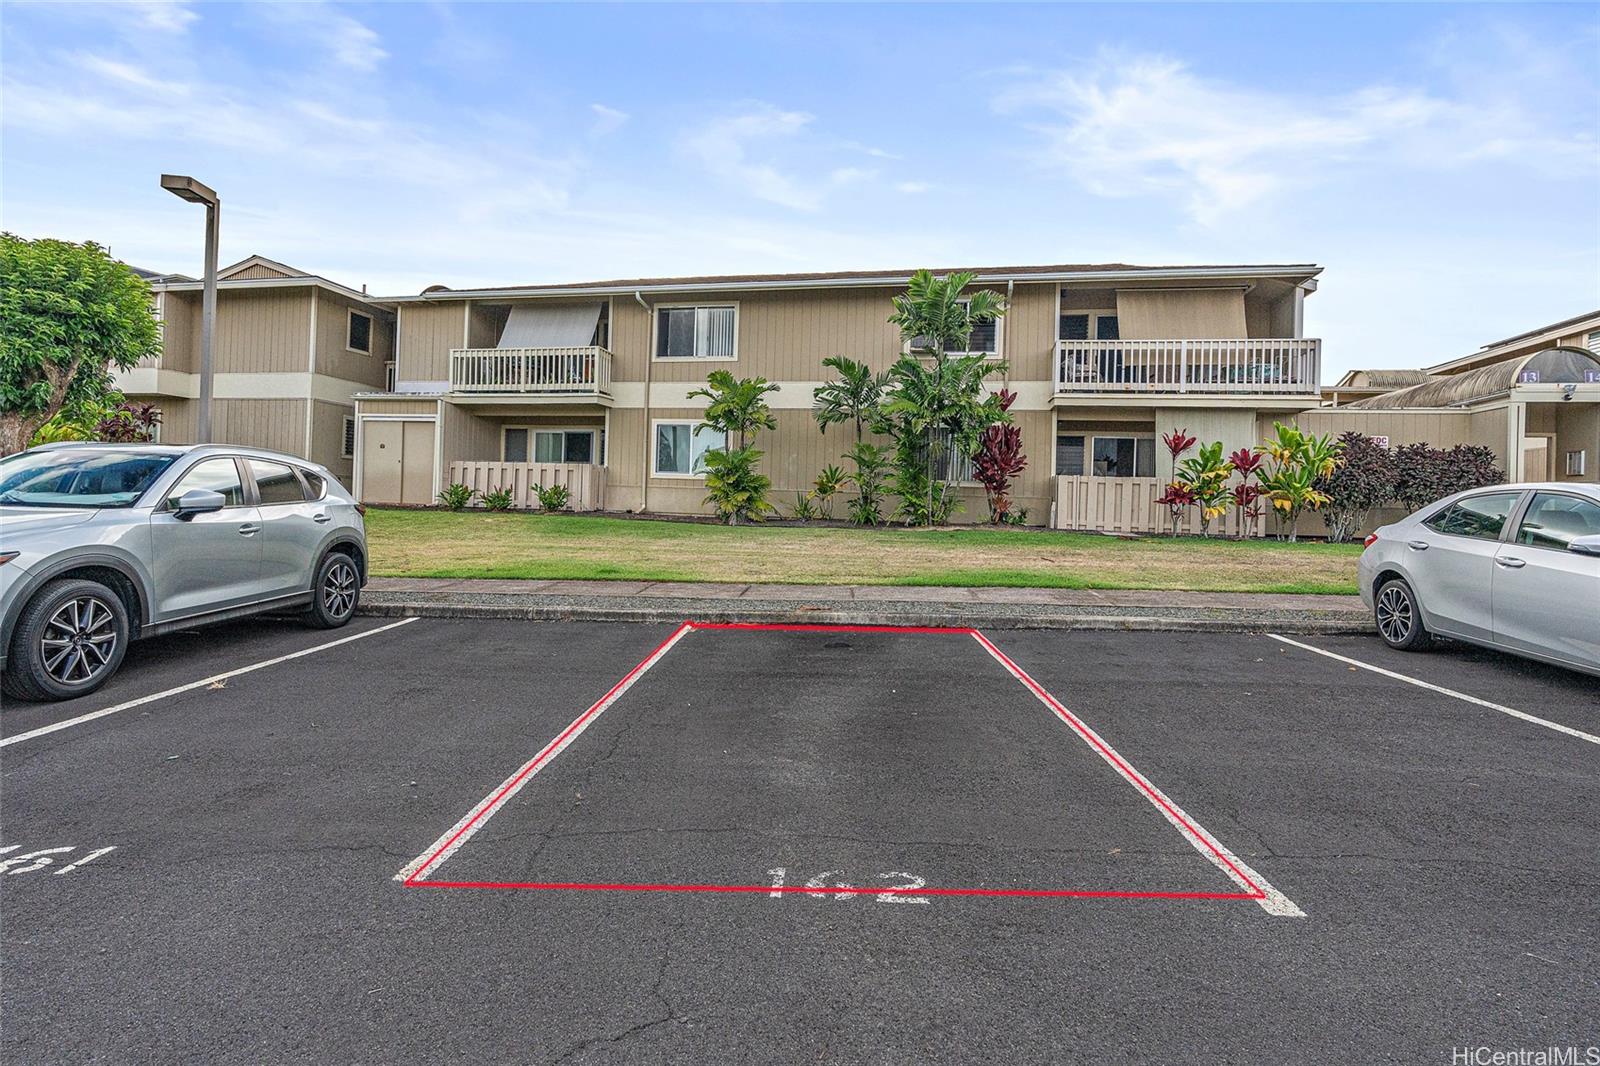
[(585, 481), (1128, 505)]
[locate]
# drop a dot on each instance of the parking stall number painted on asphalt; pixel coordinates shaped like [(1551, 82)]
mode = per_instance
[(39, 859), (887, 887)]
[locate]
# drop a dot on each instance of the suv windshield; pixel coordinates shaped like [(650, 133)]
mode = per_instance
[(78, 478)]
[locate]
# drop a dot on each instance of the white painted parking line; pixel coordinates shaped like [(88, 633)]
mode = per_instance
[(1234, 868), (191, 686), (486, 808), (1431, 687)]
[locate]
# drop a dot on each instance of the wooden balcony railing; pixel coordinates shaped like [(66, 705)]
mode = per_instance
[(584, 371), (1257, 365)]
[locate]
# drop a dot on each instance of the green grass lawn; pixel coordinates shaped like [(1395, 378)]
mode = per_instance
[(523, 545)]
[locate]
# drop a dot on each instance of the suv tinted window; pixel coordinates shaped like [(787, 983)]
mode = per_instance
[(218, 475), (1555, 521), (1476, 516), (315, 485), (275, 482)]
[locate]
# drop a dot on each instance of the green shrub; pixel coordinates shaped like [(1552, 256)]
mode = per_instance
[(553, 497), (457, 497), (497, 499), (804, 509)]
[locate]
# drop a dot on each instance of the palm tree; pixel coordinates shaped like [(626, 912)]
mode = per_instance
[(935, 394), (736, 406), (854, 397)]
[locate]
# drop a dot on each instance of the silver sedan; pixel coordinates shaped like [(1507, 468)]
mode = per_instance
[(1513, 567), (102, 543)]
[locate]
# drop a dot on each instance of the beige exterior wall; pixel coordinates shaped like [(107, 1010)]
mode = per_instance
[(334, 358), (327, 439), (1578, 429), (427, 332), (383, 405), (465, 435), (180, 332), (262, 332), (258, 271), (1156, 314), (276, 424)]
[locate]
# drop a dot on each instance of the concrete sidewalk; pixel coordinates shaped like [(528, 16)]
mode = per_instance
[(996, 608)]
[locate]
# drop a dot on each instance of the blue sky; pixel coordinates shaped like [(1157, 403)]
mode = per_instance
[(1440, 161)]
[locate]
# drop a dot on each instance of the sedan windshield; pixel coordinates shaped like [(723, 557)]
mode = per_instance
[(79, 478)]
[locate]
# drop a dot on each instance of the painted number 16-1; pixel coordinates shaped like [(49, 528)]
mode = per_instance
[(891, 886)]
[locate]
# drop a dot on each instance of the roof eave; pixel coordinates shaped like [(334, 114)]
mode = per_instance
[(1303, 272)]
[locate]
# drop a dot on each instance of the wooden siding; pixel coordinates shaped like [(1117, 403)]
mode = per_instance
[(586, 482), (333, 316), (178, 417), (267, 331), (258, 271), (1578, 429), (427, 333), (386, 406), (1234, 427), (1157, 314), (180, 332), (327, 439), (276, 424), (466, 435)]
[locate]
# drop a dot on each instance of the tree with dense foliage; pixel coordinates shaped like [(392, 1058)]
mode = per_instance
[(856, 396), (1296, 460), (935, 402), (69, 315), (1364, 479), (738, 408), (1423, 473), (999, 459)]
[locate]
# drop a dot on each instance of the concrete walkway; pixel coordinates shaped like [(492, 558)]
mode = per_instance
[(997, 608)]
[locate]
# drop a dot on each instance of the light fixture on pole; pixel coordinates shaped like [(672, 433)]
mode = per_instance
[(187, 188)]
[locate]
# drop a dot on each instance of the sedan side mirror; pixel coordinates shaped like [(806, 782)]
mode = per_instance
[(1585, 545), (198, 501)]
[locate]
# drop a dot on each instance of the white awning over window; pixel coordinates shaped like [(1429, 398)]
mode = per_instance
[(571, 326)]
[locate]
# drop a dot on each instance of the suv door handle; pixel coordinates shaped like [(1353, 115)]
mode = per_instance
[(249, 530), (321, 518), (1417, 545), (1510, 563)]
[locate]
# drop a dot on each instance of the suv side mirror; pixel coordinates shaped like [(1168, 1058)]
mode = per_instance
[(198, 501), (1585, 545)]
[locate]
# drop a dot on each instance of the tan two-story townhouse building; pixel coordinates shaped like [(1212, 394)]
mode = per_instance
[(588, 384), (290, 351)]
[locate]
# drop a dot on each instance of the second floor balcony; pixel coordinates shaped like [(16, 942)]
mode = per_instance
[(563, 373), (1279, 366)]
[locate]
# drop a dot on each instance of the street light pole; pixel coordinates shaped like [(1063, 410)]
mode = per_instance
[(187, 188)]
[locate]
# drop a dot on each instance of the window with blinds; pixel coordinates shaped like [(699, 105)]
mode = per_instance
[(985, 338), (709, 332)]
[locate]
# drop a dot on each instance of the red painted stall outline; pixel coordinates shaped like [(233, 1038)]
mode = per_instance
[(1254, 887)]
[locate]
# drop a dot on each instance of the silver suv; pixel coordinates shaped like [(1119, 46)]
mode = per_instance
[(101, 544)]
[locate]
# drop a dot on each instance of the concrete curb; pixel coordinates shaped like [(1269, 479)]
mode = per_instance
[(987, 616)]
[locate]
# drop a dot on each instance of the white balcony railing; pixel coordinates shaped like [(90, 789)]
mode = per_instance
[(1257, 365), (584, 371)]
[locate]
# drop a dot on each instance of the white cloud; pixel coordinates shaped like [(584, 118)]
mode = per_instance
[(606, 119), (1150, 125), (764, 152), (912, 187), (351, 43), (167, 16)]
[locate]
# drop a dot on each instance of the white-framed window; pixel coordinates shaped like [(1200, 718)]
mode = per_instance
[(347, 440), (388, 376), (1593, 342), (680, 447), (985, 338), (1576, 461), (1123, 457), (358, 333), (697, 331), (1069, 453), (525, 444)]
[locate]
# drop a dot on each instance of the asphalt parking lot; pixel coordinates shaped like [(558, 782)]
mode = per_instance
[(506, 841)]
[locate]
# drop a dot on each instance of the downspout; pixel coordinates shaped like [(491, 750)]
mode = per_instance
[(644, 472)]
